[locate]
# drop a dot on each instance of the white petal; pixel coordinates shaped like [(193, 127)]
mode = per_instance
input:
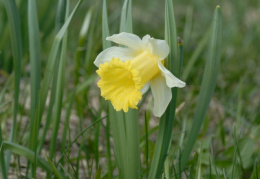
[(162, 95), (159, 48), (145, 42), (129, 40), (145, 88), (171, 80), (119, 52)]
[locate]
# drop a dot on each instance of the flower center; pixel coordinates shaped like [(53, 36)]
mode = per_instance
[(121, 82)]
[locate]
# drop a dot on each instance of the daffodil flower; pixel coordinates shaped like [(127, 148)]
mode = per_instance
[(127, 72)]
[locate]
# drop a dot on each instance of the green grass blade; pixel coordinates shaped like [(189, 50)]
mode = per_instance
[(16, 41), (2, 158), (25, 152), (106, 44), (51, 62), (108, 150), (60, 17), (105, 28), (208, 84), (146, 140), (212, 162), (114, 117), (123, 17), (188, 24), (46, 13), (34, 48), (60, 14), (195, 55), (50, 70), (34, 45), (60, 80), (129, 23), (77, 90), (82, 144), (50, 111), (81, 43), (91, 43), (80, 134), (4, 32), (54, 169), (167, 168), (126, 17), (4, 89), (166, 121)]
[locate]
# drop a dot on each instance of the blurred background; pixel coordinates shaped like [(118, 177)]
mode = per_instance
[(234, 109)]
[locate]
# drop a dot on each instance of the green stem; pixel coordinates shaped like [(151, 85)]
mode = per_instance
[(16, 41), (2, 158)]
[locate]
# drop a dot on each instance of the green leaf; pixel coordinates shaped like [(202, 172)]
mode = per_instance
[(124, 125), (105, 28), (107, 44), (2, 161), (60, 80), (16, 41), (256, 172), (51, 62), (208, 84), (54, 169), (166, 121), (27, 153), (195, 55), (34, 48), (126, 17)]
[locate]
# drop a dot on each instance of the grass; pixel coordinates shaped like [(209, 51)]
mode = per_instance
[(54, 123)]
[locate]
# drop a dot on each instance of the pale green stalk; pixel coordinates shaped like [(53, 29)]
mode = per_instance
[(208, 85), (166, 121), (34, 42), (16, 41), (124, 125), (107, 44), (105, 28), (131, 120), (132, 143), (34, 48)]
